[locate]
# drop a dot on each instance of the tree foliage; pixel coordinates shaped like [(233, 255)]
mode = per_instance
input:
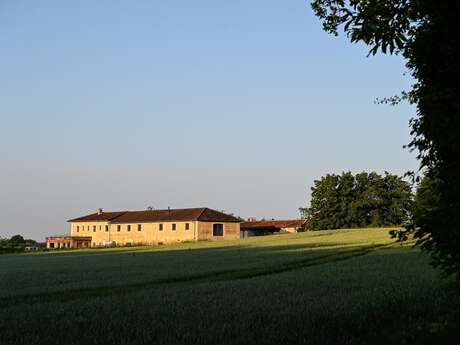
[(17, 240), (427, 34), (361, 200)]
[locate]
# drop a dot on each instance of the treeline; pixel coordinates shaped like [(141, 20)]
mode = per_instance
[(16, 243), (361, 200)]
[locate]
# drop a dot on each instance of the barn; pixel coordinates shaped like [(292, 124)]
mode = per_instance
[(147, 227), (270, 227)]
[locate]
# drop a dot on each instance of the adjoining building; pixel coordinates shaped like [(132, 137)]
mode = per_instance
[(150, 227), (269, 227), (57, 242)]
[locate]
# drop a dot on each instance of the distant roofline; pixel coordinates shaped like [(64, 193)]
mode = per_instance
[(68, 237), (273, 224), (102, 217)]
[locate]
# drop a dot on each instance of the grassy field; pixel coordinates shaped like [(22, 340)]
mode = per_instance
[(325, 287)]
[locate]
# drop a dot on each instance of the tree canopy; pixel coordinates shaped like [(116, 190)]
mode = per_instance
[(17, 240), (361, 200), (427, 34)]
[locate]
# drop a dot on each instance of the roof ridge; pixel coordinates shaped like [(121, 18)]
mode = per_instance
[(202, 211), (185, 214), (122, 213)]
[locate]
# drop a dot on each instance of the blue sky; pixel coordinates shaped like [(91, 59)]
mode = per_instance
[(234, 105)]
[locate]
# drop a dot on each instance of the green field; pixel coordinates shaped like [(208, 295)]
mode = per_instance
[(324, 287)]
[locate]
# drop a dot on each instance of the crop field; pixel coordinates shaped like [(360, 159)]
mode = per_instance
[(324, 287)]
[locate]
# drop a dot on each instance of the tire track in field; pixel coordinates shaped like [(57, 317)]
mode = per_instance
[(225, 275)]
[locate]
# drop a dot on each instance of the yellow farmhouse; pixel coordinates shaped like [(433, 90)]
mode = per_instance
[(148, 227)]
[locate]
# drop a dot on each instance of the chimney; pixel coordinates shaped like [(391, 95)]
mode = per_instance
[(99, 211)]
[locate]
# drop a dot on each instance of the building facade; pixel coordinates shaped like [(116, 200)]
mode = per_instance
[(154, 227)]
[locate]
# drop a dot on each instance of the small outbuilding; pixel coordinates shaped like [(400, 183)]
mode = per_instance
[(270, 227), (31, 248)]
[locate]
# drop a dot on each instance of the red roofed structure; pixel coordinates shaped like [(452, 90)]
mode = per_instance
[(268, 227)]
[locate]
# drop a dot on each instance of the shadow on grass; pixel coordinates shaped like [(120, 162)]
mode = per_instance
[(279, 259)]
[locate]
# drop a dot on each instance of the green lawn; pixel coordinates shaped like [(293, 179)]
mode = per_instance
[(324, 287)]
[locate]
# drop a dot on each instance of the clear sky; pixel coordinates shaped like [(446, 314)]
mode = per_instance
[(236, 105)]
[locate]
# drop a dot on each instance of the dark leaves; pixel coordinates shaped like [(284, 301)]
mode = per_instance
[(427, 34)]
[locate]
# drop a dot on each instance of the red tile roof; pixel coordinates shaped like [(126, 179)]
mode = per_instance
[(98, 217), (273, 224), (203, 214)]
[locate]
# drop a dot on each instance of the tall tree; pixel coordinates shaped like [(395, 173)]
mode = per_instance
[(427, 34), (346, 195), (324, 211)]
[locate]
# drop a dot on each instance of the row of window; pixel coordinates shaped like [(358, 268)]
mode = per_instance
[(94, 228), (128, 227), (217, 229)]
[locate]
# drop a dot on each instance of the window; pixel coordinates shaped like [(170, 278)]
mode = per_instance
[(218, 229), (100, 227), (94, 228), (78, 228), (118, 228), (88, 228), (139, 227), (187, 226), (107, 228), (160, 227), (174, 227), (129, 228)]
